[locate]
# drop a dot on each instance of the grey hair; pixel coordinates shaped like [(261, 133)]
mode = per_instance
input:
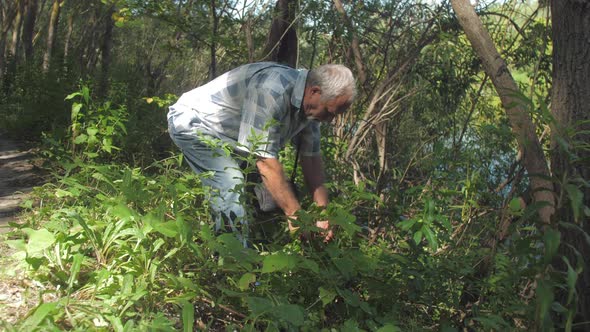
[(334, 80)]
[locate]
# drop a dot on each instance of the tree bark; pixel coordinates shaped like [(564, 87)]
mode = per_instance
[(16, 31), (29, 28), (7, 14), (51, 34), (68, 38), (105, 50), (214, 21), (520, 121), (354, 44), (282, 43), (570, 105)]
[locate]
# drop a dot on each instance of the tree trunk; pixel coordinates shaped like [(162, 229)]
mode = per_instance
[(51, 34), (354, 45), (105, 50), (29, 28), (249, 39), (16, 31), (7, 16), (68, 38), (214, 21), (518, 117), (282, 43), (570, 105)]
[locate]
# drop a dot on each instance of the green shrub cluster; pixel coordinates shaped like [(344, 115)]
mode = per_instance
[(128, 248)]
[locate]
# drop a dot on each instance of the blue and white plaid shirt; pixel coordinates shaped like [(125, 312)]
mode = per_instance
[(255, 104)]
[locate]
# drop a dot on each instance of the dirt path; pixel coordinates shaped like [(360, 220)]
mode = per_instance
[(18, 175)]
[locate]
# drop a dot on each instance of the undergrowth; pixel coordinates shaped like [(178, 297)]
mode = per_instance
[(125, 248)]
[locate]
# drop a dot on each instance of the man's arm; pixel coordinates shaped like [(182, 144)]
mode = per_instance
[(275, 181), (313, 174)]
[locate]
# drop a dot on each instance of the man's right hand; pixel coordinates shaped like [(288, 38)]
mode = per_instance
[(328, 234)]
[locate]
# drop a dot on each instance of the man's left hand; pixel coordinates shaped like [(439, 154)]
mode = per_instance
[(327, 233)]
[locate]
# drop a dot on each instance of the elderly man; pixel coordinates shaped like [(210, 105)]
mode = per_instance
[(273, 103)]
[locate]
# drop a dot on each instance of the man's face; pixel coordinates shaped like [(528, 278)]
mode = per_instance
[(324, 111)]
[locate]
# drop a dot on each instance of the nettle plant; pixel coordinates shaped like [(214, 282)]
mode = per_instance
[(94, 127), (123, 248)]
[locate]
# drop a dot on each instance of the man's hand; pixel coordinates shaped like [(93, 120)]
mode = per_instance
[(327, 234)]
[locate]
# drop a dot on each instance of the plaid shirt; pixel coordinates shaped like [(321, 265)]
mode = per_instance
[(255, 105)]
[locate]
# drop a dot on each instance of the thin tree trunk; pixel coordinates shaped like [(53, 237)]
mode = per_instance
[(354, 45), (7, 15), (68, 37), (249, 39), (29, 28), (570, 105), (520, 121), (282, 43), (214, 20), (105, 50), (16, 30), (51, 34)]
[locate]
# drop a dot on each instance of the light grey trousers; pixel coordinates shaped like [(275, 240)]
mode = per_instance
[(224, 176)]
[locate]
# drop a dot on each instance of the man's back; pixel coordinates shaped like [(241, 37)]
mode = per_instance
[(246, 100)]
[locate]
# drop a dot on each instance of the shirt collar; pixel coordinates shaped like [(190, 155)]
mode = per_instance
[(299, 89)]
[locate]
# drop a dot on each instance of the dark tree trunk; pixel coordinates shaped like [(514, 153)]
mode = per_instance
[(214, 21), (29, 28), (7, 14), (105, 50), (570, 103), (282, 39)]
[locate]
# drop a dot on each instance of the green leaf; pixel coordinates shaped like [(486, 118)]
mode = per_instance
[(188, 316), (107, 145), (246, 280), (75, 269), (278, 262), (290, 313), (551, 239), (544, 299), (345, 220), (515, 206), (258, 305), (72, 95), (418, 237), (572, 279), (86, 94), (326, 295), (39, 240), (309, 265), (576, 200), (82, 138), (407, 224), (76, 107), (389, 328), (91, 131), (38, 316), (168, 229), (430, 237)]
